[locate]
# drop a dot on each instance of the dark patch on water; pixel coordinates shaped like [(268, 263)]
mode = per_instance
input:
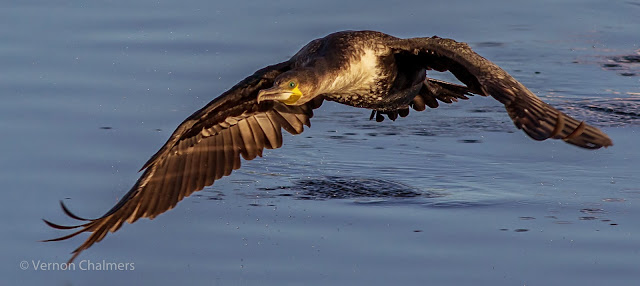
[(627, 59), (521, 230), (274, 188), (625, 65), (346, 188), (423, 133), (488, 109), (106, 127), (470, 141), (592, 211), (211, 195), (607, 111), (458, 204), (334, 187), (489, 44)]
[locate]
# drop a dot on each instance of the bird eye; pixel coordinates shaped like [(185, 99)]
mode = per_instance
[(292, 84)]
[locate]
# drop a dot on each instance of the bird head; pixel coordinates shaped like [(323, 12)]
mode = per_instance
[(294, 87)]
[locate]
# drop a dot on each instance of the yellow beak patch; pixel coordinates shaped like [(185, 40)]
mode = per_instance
[(296, 94)]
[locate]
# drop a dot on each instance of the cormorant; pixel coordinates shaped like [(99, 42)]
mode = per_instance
[(363, 69)]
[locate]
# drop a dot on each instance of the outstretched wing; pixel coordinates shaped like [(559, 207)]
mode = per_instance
[(204, 148), (536, 118)]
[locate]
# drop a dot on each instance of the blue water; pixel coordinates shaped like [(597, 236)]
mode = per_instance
[(89, 90)]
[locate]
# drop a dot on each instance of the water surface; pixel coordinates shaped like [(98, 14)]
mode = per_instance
[(450, 196)]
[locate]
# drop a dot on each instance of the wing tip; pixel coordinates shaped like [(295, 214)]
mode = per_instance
[(71, 214), (59, 226), (66, 227)]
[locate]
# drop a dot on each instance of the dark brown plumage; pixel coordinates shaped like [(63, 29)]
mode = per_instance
[(363, 69)]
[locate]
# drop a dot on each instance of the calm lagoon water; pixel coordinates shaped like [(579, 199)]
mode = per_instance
[(450, 196)]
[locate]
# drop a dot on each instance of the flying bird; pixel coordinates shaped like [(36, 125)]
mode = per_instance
[(364, 69)]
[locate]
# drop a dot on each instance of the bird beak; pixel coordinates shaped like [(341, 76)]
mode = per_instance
[(274, 93), (288, 97)]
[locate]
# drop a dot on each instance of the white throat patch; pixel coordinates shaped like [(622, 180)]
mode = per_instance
[(360, 73)]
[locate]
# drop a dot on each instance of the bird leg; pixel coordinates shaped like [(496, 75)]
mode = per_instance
[(392, 115)]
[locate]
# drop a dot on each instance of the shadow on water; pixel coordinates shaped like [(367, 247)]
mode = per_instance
[(373, 191), (335, 187)]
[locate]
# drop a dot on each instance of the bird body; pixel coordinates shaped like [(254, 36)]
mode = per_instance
[(363, 69), (357, 68)]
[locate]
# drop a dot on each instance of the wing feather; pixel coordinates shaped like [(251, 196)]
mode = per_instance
[(238, 146), (267, 129), (153, 184), (220, 156), (258, 134), (276, 117), (250, 145), (236, 138), (210, 152), (228, 151), (296, 125)]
